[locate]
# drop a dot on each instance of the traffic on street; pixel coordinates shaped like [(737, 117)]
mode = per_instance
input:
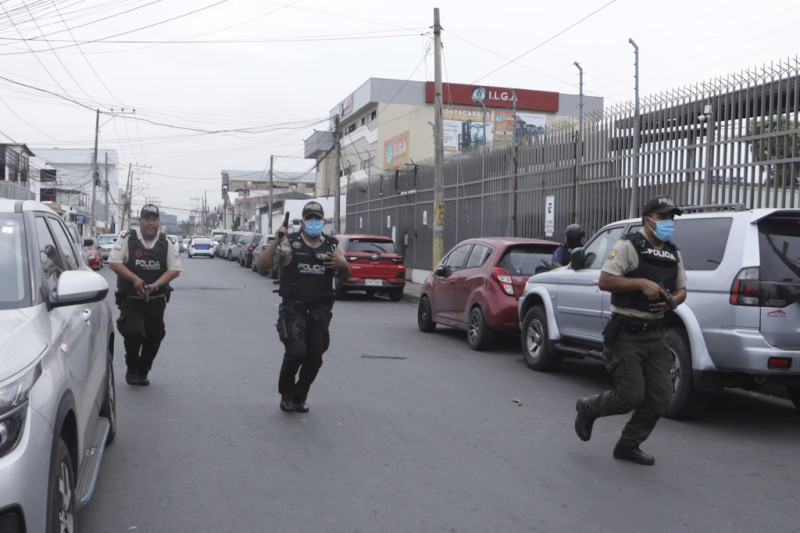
[(408, 431)]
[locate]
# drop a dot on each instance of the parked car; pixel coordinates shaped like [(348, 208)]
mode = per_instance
[(257, 251), (93, 254), (57, 395), (246, 250), (106, 242), (237, 240), (375, 266), (218, 236), (476, 285), (737, 327), (224, 246), (201, 246), (184, 247)]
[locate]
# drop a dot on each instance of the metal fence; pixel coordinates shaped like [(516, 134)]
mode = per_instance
[(731, 140)]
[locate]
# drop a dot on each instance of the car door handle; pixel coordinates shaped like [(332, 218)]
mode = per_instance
[(87, 314)]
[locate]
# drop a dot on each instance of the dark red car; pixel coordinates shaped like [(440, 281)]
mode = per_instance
[(477, 284), (375, 266), (93, 252)]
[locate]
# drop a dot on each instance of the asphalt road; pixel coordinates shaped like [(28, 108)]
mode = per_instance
[(410, 432)]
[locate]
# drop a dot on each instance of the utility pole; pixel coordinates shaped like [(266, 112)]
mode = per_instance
[(579, 147), (337, 191), (105, 227), (271, 158), (438, 148), (126, 206), (95, 175), (636, 138)]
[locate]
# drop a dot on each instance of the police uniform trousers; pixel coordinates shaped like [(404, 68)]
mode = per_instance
[(141, 324), (305, 336), (639, 365)]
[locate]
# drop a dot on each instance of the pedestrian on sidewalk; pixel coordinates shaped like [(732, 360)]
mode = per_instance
[(145, 261), (309, 261), (645, 275)]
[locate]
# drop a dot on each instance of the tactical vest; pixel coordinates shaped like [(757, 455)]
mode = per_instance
[(656, 265), (306, 278), (148, 264)]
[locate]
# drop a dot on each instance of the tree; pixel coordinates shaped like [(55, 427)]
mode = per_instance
[(778, 155), (186, 229)]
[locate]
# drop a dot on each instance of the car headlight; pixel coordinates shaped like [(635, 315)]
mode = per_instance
[(14, 408)]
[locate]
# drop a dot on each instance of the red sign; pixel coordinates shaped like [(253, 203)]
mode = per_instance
[(458, 94)]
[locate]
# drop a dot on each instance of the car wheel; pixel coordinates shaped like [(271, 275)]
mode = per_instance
[(425, 316), (535, 341), (61, 491), (479, 336), (685, 400), (794, 394), (230, 256), (396, 295), (109, 408)]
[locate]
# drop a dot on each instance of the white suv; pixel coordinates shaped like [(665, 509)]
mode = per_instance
[(739, 325), (57, 397)]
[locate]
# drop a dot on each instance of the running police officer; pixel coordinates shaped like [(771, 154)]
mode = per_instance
[(644, 272), (145, 261), (309, 261)]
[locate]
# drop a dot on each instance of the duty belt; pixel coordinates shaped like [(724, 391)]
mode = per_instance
[(638, 325), (147, 299)]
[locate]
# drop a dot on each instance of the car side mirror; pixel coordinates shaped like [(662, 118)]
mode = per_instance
[(88, 242), (577, 259), (441, 270)]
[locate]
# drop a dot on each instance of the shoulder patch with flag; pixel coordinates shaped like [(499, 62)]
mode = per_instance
[(612, 254)]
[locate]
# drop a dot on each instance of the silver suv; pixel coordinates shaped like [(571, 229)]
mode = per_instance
[(57, 397), (739, 326)]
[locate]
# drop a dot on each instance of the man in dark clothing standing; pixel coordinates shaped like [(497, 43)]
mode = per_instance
[(309, 261), (644, 272), (573, 238), (145, 261)]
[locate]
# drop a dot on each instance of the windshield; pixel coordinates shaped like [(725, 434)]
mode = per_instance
[(14, 284), (779, 244), (524, 260), (107, 239), (369, 246)]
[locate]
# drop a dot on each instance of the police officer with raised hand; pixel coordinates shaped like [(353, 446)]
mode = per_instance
[(309, 261), (644, 272), (145, 261)]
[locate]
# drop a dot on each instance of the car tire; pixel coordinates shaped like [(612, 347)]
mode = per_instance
[(425, 316), (61, 490), (794, 394), (535, 341), (230, 256), (479, 335), (396, 295), (685, 400), (109, 408)]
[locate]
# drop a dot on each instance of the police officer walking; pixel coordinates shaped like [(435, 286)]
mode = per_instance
[(145, 261), (309, 261), (644, 272)]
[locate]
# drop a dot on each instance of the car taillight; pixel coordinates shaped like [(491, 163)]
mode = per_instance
[(502, 277), (746, 287), (250, 248), (194, 246)]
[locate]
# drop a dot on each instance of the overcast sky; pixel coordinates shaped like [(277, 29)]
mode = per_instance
[(224, 84)]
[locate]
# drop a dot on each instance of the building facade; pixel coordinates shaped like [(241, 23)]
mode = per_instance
[(387, 124)]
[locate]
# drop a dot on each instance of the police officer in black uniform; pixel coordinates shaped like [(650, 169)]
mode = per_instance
[(309, 261), (573, 238), (145, 261), (644, 272)]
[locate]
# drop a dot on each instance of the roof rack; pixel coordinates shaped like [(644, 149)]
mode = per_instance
[(714, 207)]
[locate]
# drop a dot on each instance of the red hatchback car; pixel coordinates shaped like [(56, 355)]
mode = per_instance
[(375, 266), (477, 284), (93, 252)]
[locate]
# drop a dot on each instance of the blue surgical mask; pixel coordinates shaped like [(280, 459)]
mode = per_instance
[(314, 227), (664, 229)]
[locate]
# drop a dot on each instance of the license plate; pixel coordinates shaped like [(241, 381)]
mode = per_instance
[(373, 282)]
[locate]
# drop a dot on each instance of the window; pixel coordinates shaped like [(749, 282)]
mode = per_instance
[(527, 260), (597, 250), (458, 258), (13, 263), (52, 263), (779, 247), (65, 243), (478, 256), (702, 241), (370, 246)]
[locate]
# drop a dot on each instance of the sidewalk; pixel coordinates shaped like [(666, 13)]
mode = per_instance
[(412, 291)]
